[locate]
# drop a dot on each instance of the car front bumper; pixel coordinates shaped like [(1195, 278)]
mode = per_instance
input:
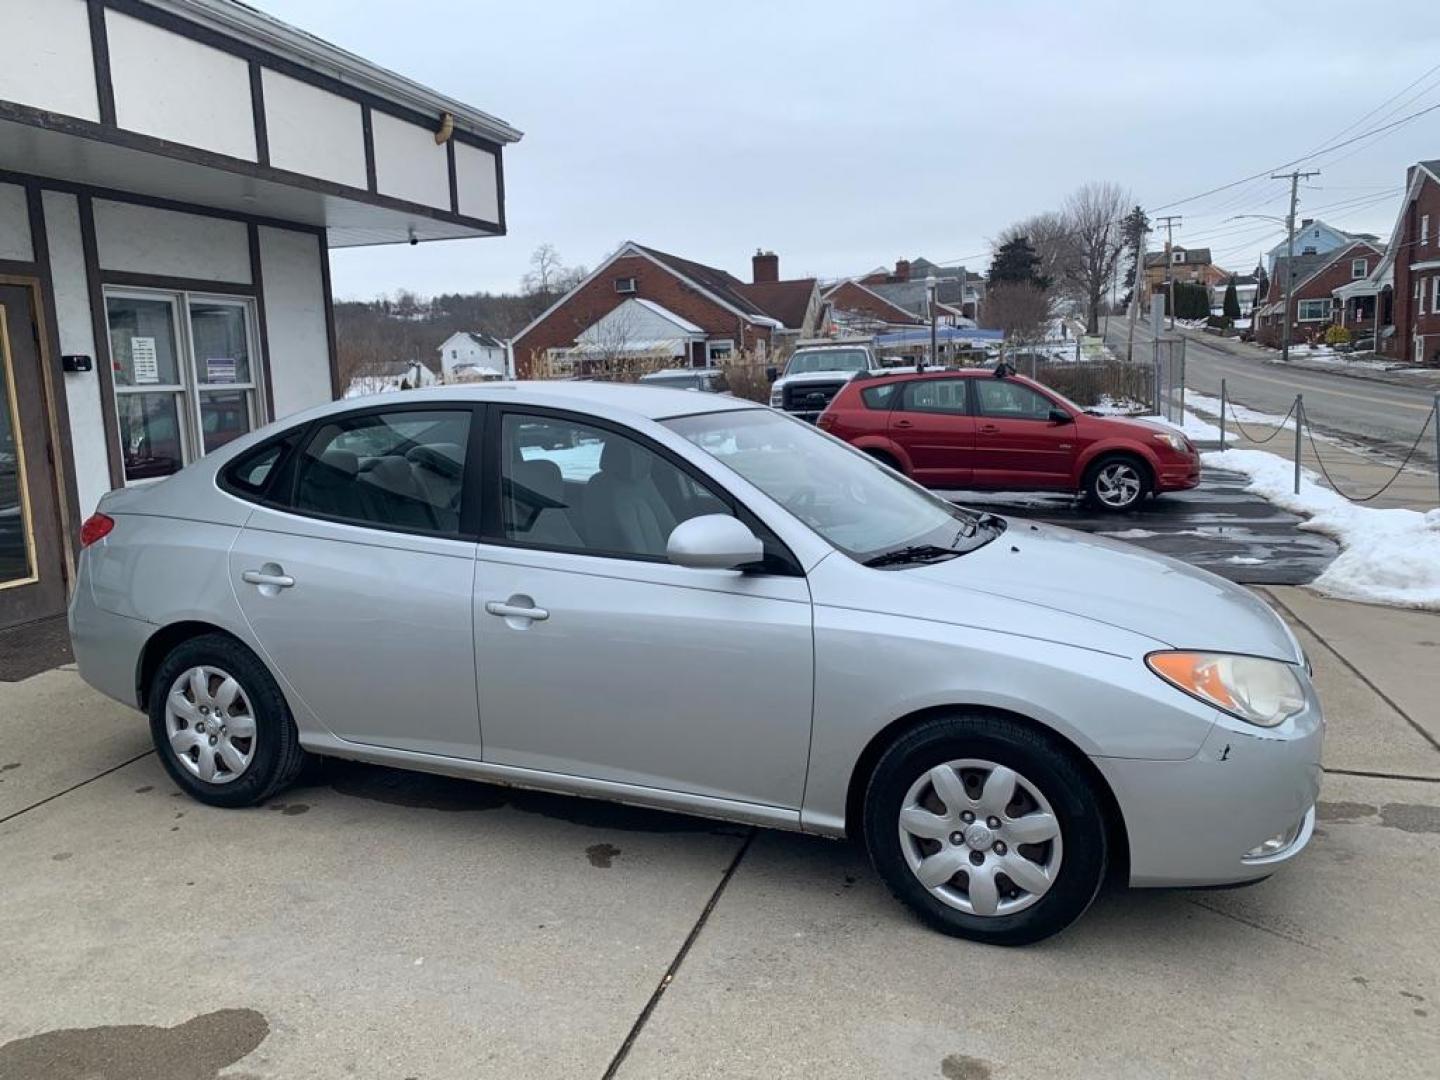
[(1178, 475), (1207, 820)]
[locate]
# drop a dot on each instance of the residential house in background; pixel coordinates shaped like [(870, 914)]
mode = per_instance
[(1314, 237), (173, 175), (1316, 277), (1180, 264), (467, 356), (956, 287), (395, 375), (857, 308), (1404, 288), (693, 315), (1246, 286)]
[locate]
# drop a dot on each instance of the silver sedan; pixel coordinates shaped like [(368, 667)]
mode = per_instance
[(700, 604)]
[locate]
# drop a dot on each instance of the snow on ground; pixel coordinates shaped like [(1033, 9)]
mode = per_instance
[(1387, 556), (1211, 407), (1328, 357), (1196, 429)]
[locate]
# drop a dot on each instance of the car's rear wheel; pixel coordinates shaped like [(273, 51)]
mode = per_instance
[(885, 458), (986, 829), (1117, 483), (220, 723)]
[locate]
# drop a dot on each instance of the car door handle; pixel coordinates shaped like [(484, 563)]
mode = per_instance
[(903, 423), (988, 429), (516, 611), (260, 577)]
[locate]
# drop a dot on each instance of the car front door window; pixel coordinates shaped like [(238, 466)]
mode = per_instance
[(1001, 399)]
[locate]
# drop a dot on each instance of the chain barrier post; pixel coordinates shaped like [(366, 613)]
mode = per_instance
[(1222, 415), (1435, 415), (1299, 427)]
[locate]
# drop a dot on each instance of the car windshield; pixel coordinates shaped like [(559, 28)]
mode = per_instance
[(827, 360), (857, 504)]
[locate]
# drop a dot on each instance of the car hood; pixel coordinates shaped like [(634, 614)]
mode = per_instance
[(1119, 585), (804, 377)]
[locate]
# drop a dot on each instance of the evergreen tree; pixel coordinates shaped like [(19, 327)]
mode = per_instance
[(1262, 284), (1015, 263), (1132, 228), (1231, 307)]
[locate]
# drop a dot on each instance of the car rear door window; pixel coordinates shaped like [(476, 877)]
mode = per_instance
[(401, 470), (880, 397), (936, 396), (1001, 399)]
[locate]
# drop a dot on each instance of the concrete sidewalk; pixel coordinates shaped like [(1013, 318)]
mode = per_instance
[(373, 923)]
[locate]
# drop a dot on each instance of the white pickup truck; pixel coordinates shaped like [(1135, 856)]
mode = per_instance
[(815, 373)]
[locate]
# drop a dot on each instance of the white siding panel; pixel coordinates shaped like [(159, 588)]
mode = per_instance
[(475, 178), (14, 224), (45, 59), (299, 355), (147, 240), (173, 88), (408, 163), (77, 335), (312, 131)]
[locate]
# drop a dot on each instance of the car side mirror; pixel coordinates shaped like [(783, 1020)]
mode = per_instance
[(772, 373), (1060, 416), (714, 542)]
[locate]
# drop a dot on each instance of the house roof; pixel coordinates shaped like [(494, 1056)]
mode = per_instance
[(1192, 257), (788, 301), (914, 295), (724, 285), (1309, 266), (485, 341), (904, 314)]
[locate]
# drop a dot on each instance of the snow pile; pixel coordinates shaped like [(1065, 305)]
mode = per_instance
[(1196, 429), (1211, 406), (1386, 557)]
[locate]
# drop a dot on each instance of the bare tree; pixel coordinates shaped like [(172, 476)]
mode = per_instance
[(1092, 216), (545, 272), (1049, 235), (1020, 310)]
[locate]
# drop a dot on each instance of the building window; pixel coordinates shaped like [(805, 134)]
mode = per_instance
[(1435, 304), (1424, 228), (717, 352), (1177, 257), (185, 371), (624, 284), (1419, 296), (1314, 310), (1359, 268)]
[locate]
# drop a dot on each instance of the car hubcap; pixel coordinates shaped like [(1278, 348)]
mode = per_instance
[(1118, 484), (980, 837), (210, 724)]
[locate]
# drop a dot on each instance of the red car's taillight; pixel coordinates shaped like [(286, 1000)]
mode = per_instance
[(825, 421), (96, 527)]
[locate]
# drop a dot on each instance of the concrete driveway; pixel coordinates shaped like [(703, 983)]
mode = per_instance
[(372, 923)]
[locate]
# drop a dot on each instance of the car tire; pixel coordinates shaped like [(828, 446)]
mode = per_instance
[(1117, 483), (220, 724), (1050, 792)]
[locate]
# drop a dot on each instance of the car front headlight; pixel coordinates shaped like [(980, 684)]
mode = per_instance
[(1258, 691), (1174, 440), (777, 397)]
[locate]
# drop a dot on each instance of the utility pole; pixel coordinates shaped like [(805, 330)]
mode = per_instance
[(1135, 293), (1169, 222), (1294, 178), (931, 286)]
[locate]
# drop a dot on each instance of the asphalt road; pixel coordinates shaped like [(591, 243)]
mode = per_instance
[(1383, 415)]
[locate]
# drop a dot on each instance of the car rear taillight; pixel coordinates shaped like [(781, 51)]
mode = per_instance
[(96, 527), (825, 421)]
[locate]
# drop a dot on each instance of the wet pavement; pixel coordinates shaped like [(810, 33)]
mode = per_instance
[(1217, 526)]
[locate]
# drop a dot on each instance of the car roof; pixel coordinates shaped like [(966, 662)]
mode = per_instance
[(630, 400)]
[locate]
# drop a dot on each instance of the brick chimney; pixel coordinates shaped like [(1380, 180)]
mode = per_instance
[(764, 266), (902, 269)]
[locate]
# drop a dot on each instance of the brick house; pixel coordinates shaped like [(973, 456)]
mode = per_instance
[(1405, 285), (1316, 277), (862, 307), (1191, 265), (956, 287), (717, 315)]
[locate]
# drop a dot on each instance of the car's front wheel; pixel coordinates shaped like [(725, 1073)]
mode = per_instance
[(986, 829), (1116, 483), (220, 724)]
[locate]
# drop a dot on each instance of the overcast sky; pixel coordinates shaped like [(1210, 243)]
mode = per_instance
[(845, 135)]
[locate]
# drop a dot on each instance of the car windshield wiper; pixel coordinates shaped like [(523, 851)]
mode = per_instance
[(915, 553)]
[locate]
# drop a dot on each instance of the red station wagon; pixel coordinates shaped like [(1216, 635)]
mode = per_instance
[(975, 429)]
